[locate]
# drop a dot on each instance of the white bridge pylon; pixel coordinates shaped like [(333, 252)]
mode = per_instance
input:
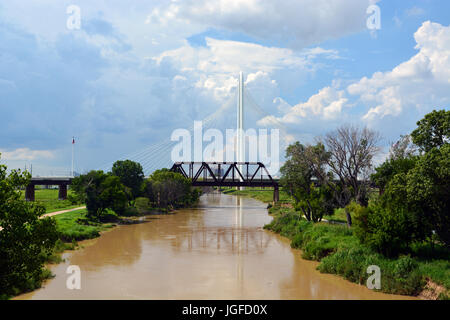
[(240, 148)]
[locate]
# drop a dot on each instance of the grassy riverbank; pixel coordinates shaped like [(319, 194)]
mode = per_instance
[(264, 195), (73, 226), (423, 272), (49, 199)]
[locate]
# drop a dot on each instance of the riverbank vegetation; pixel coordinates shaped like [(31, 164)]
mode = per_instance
[(28, 241), (340, 252), (264, 195), (397, 215), (126, 192), (73, 226)]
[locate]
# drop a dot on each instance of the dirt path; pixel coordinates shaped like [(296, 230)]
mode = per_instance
[(51, 214)]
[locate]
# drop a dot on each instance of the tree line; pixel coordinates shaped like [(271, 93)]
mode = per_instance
[(125, 190), (337, 171)]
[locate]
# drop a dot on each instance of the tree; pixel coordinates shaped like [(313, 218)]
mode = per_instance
[(26, 240), (114, 194), (416, 200), (391, 167), (351, 152), (386, 230), (403, 148), (101, 191), (296, 173), (428, 190), (402, 158), (315, 202), (303, 164), (433, 130), (131, 175), (170, 189)]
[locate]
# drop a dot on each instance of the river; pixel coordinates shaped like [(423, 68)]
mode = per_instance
[(215, 251)]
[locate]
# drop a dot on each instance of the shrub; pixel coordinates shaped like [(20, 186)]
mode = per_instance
[(73, 199), (25, 240), (130, 212), (397, 276), (142, 205), (385, 229)]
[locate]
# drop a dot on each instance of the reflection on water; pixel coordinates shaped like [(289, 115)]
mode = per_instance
[(216, 251)]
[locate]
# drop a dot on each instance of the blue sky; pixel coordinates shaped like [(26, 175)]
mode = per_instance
[(136, 71)]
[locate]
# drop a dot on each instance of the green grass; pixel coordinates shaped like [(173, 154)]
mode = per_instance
[(49, 199), (338, 216), (340, 252), (264, 195), (438, 270), (72, 226)]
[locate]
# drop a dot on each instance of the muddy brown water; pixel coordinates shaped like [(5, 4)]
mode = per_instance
[(216, 251)]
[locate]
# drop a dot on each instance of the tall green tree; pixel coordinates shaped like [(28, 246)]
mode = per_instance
[(415, 204), (433, 130), (305, 165), (428, 190), (391, 167), (100, 192), (131, 175), (25, 239), (170, 189)]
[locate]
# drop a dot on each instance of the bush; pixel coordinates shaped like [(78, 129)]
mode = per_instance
[(25, 240), (74, 199), (385, 229), (130, 212), (288, 225), (142, 205), (399, 276)]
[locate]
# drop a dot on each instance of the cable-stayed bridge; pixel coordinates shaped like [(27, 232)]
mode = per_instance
[(158, 155)]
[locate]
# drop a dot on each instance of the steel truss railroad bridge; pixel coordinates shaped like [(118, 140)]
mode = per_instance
[(235, 174)]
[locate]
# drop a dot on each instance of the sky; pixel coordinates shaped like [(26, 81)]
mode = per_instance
[(134, 71)]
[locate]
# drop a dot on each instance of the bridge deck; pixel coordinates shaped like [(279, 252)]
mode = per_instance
[(228, 174), (50, 181)]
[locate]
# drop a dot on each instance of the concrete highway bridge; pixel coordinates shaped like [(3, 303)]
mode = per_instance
[(62, 182)]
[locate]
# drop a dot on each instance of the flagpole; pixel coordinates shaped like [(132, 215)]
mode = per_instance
[(73, 140)]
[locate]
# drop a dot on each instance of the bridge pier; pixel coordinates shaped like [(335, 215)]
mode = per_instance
[(29, 192), (276, 194), (62, 193)]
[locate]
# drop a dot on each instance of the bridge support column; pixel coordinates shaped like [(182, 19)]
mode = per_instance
[(276, 194), (29, 193), (62, 194)]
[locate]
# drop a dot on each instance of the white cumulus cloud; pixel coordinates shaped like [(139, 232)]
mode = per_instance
[(298, 22), (26, 154), (417, 85)]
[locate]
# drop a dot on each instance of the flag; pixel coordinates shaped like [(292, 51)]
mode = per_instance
[(73, 140)]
